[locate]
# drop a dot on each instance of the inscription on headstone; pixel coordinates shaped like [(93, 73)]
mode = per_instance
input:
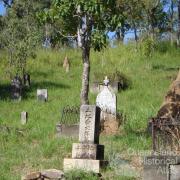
[(89, 124), (88, 151), (42, 95)]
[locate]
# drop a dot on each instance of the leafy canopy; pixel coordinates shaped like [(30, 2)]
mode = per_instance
[(95, 17)]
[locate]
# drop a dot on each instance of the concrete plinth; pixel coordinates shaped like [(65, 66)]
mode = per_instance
[(84, 164)]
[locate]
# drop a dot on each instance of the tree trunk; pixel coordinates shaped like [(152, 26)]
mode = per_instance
[(120, 35), (171, 21), (178, 34), (85, 75), (135, 34)]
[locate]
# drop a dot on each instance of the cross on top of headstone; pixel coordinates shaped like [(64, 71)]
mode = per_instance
[(106, 81)]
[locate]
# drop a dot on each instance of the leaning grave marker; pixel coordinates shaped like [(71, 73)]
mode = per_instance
[(88, 154)]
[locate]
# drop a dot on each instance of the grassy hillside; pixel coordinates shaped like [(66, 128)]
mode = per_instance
[(37, 147)]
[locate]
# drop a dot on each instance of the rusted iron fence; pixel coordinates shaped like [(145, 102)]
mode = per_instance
[(166, 134), (70, 115)]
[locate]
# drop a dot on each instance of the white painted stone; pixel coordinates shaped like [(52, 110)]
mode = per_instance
[(42, 94), (84, 164), (106, 100), (24, 117)]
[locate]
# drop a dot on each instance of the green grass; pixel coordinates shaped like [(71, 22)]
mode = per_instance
[(38, 148)]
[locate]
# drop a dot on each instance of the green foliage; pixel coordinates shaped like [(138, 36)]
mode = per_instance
[(38, 148), (80, 175), (101, 18), (19, 36), (117, 76), (147, 46)]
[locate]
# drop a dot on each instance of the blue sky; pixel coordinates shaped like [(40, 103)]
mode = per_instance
[(2, 9)]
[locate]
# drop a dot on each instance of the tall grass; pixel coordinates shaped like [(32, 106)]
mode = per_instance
[(37, 147)]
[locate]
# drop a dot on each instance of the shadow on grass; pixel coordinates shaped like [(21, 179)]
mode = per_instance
[(40, 74), (162, 67), (42, 85), (5, 89)]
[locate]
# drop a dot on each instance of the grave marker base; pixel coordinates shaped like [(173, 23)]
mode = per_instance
[(84, 164)]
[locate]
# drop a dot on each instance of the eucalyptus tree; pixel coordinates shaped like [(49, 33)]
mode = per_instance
[(154, 16), (92, 20), (19, 36)]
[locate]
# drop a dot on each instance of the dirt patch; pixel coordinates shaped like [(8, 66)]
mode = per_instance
[(110, 124)]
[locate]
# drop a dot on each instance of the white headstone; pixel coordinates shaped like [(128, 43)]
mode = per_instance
[(24, 117), (42, 94), (106, 99)]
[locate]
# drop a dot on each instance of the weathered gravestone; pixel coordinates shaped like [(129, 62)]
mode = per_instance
[(26, 79), (16, 88), (24, 117), (42, 95), (106, 100), (87, 155), (66, 64)]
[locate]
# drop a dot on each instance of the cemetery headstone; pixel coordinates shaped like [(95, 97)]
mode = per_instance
[(88, 154), (24, 117), (16, 88), (66, 64), (107, 102), (42, 95), (27, 81)]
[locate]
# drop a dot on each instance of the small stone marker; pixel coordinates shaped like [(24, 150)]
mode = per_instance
[(27, 81), (16, 88), (42, 95), (24, 117), (87, 155), (51, 174), (66, 64)]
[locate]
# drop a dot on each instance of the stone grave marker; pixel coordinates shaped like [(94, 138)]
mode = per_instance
[(42, 95), (16, 88), (26, 79), (66, 64), (107, 102), (88, 154), (24, 118), (106, 99)]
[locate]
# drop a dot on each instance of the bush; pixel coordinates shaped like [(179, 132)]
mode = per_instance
[(116, 76), (147, 46)]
